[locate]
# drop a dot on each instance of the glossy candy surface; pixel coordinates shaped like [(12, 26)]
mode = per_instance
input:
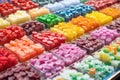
[(3, 23)]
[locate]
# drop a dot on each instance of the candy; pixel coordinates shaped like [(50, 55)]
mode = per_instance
[(7, 59), (50, 20), (10, 33), (99, 17), (31, 26), (69, 53), (24, 48), (21, 71), (47, 64), (117, 5), (38, 12), (70, 31), (48, 39), (3, 23), (107, 35), (18, 17), (91, 44)]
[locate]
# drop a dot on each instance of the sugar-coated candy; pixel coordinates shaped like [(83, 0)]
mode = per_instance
[(7, 8), (3, 23), (10, 33), (71, 74), (87, 24), (48, 39), (3, 1), (38, 12), (7, 59), (114, 12), (74, 11), (69, 30), (105, 34), (91, 44), (22, 71), (24, 48), (47, 64), (99, 17), (18, 17), (94, 67), (24, 4), (117, 5), (31, 26), (50, 20), (70, 53)]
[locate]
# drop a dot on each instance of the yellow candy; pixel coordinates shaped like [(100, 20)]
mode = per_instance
[(3, 23), (104, 57)]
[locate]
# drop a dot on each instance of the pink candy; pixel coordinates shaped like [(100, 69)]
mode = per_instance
[(69, 53)]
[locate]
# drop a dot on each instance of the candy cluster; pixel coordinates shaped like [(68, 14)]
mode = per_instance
[(24, 4), (70, 31), (94, 67), (32, 26), (10, 33), (20, 72), (117, 5), (3, 23), (50, 20), (74, 11), (99, 17), (91, 44), (24, 48), (7, 59), (70, 53), (47, 64), (104, 34), (87, 24), (18, 17)]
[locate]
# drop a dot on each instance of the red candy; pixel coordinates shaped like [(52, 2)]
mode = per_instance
[(48, 39)]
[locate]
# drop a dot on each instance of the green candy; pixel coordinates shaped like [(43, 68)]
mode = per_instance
[(105, 50)]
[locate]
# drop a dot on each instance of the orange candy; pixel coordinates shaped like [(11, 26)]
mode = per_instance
[(92, 71)]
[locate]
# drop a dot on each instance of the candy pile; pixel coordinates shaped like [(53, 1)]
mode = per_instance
[(50, 20), (3, 1), (24, 48), (38, 12), (117, 5), (74, 11), (95, 68), (68, 74), (87, 24), (7, 8), (48, 39), (24, 4), (31, 26), (99, 17), (104, 34), (47, 64), (3, 23), (70, 53), (10, 33), (91, 44), (18, 17), (20, 72), (7, 59)]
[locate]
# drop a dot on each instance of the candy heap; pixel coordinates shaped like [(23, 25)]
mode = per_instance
[(87, 24), (48, 39), (10, 33), (50, 20), (68, 74), (70, 31), (99, 17), (7, 59), (3, 1), (94, 68), (24, 4), (47, 64), (24, 48), (20, 72), (31, 26), (70, 53), (117, 5), (18, 17), (114, 12), (3, 23), (104, 34), (7, 8), (91, 44), (38, 12)]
